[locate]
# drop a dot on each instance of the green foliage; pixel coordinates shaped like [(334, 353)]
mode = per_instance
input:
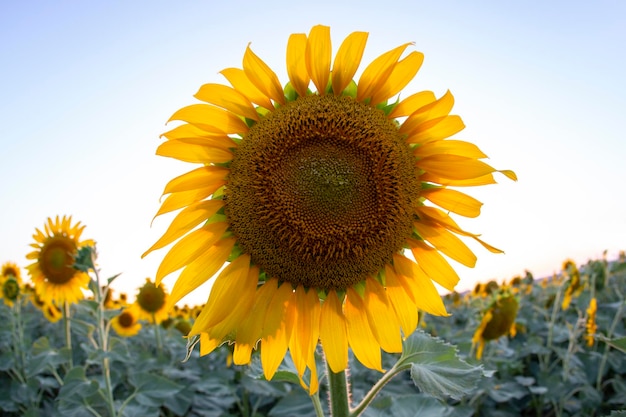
[(546, 369)]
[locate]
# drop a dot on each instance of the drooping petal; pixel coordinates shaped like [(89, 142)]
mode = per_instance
[(333, 333), (179, 200), (190, 247), (360, 336), (306, 327), (239, 80), (377, 72), (318, 56), (405, 308), (274, 346), (187, 151), (446, 242), (419, 286), (381, 317), (454, 201), (262, 76), (201, 269), (435, 265), (472, 182), (403, 72), (296, 63), (227, 98), (211, 119), (347, 60), (186, 220), (225, 294)]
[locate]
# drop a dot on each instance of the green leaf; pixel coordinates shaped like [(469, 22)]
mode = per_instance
[(154, 386), (296, 403), (436, 368), (414, 405), (76, 386), (619, 343)]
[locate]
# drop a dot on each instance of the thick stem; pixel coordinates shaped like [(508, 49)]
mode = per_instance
[(338, 392), (68, 330)]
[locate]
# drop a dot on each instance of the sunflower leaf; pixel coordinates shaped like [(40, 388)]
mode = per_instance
[(436, 368)]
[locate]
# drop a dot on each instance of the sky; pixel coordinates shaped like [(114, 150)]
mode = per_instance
[(87, 89)]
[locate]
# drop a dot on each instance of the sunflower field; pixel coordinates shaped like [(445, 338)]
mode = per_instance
[(551, 347)]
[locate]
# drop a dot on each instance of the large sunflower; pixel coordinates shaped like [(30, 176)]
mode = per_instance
[(52, 273), (312, 198)]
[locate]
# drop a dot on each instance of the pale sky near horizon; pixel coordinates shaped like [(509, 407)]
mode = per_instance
[(87, 88)]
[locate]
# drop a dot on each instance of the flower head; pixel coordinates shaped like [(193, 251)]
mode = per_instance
[(312, 197), (152, 302), (52, 273), (498, 320), (126, 324), (591, 324)]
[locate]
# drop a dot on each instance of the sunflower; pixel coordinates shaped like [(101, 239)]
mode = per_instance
[(10, 269), (498, 320), (591, 325), (52, 273), (151, 303), (312, 197), (126, 324)]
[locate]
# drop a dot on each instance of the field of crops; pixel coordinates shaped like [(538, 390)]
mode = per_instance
[(547, 347)]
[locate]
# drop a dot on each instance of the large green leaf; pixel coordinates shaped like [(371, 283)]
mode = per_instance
[(436, 368)]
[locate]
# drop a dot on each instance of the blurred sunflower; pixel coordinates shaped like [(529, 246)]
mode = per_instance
[(9, 290), (313, 198), (574, 285), (498, 320), (126, 324), (591, 325), (151, 303), (10, 269), (52, 273)]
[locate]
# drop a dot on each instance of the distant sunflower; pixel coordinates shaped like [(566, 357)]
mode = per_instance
[(591, 325), (10, 269), (313, 197), (151, 303), (497, 320), (52, 273), (126, 324)]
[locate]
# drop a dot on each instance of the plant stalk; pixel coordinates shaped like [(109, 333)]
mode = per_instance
[(68, 331), (338, 393)]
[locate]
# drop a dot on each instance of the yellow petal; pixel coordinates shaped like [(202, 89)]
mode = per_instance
[(262, 76), (452, 147), (435, 265), (377, 72), (360, 336), (318, 56), (228, 98), (251, 329), (436, 129), (239, 80), (412, 103), (229, 287), (190, 247), (296, 63), (431, 111), (211, 119), (454, 201), (274, 346), (347, 60), (333, 333), (207, 177), (186, 220), (405, 308), (198, 136), (187, 151), (403, 72), (381, 317), (202, 269), (454, 167), (472, 182), (419, 286), (446, 242), (306, 327), (207, 345), (178, 200)]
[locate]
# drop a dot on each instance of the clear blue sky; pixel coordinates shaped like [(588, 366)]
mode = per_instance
[(88, 86)]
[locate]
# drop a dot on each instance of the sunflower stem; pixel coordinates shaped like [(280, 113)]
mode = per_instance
[(338, 393), (317, 405), (103, 335), (68, 331), (158, 335), (18, 335)]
